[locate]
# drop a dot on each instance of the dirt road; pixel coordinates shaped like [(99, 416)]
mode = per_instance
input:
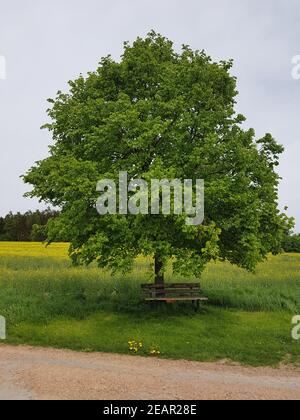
[(31, 373)]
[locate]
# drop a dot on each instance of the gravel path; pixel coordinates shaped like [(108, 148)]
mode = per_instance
[(34, 373)]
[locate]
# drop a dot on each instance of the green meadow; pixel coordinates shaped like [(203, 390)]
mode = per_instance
[(248, 319)]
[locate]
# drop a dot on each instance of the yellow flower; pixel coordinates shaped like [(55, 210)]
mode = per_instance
[(154, 350), (134, 346)]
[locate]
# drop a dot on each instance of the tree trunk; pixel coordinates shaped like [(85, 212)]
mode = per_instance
[(159, 275)]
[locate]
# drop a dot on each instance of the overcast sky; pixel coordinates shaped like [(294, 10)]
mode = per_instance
[(47, 42)]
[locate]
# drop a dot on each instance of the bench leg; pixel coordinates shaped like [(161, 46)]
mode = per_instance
[(153, 304), (196, 304)]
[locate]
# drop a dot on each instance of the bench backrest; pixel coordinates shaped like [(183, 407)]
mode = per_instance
[(171, 289)]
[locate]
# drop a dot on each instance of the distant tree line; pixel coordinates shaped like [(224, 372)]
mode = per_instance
[(291, 243), (27, 227)]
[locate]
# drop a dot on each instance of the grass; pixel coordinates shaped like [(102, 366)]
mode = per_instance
[(49, 303)]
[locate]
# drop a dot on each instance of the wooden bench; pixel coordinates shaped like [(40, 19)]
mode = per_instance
[(173, 292)]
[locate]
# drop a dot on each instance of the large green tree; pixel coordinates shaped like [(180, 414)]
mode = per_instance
[(160, 114)]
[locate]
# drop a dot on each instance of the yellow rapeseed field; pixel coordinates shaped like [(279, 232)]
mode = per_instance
[(33, 249)]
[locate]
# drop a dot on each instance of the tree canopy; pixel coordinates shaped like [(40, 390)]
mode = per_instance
[(158, 113)]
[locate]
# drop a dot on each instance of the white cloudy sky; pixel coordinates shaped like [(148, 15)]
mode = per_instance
[(47, 42)]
